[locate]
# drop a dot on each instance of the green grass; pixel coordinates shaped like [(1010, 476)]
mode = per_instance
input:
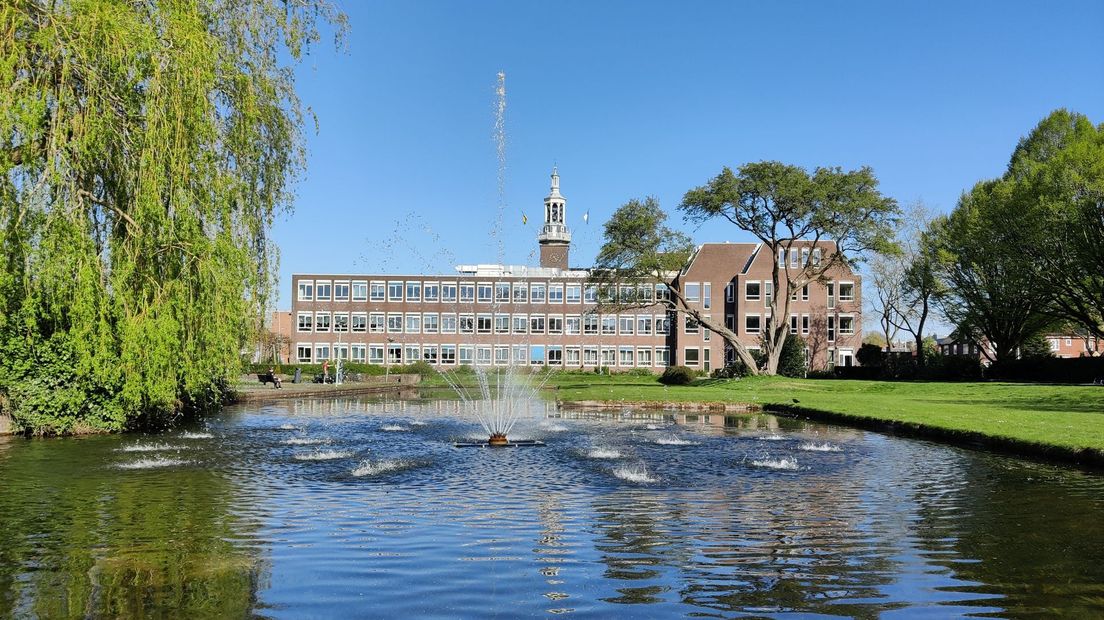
[(1068, 417)]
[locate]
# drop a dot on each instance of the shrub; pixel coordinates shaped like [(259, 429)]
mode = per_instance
[(677, 375), (791, 361), (871, 355), (639, 372)]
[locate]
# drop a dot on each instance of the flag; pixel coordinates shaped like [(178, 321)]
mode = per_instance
[(524, 220), (586, 217)]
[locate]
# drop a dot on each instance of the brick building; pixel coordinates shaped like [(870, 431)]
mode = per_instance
[(497, 315)]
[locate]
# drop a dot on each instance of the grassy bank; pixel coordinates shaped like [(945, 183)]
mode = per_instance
[(1052, 418)]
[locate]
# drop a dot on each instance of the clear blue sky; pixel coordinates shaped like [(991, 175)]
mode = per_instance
[(653, 98)]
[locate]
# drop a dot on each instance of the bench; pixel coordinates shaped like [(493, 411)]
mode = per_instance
[(267, 377)]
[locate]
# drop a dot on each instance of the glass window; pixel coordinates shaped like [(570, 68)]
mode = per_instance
[(414, 292), (644, 325), (521, 354), (590, 323), (846, 325), (360, 323), (306, 291), (536, 324), (359, 352), (340, 322), (752, 323), (467, 324), (590, 294), (502, 292), (429, 353), (690, 358), (502, 323), (574, 293), (690, 326), (394, 323), (707, 296), (303, 353), (483, 355), (467, 355), (395, 291), (360, 291), (521, 324), (413, 323), (375, 354), (626, 356), (571, 356), (377, 291), (521, 292), (341, 291), (590, 356), (573, 324), (662, 356), (536, 354), (321, 352), (430, 323), (376, 323), (555, 293), (304, 322), (448, 354), (467, 292), (483, 324), (484, 291), (321, 321), (501, 356), (555, 324), (609, 324), (322, 290), (626, 324), (644, 356), (431, 291), (847, 291), (692, 293), (752, 291), (448, 295), (536, 293), (555, 356), (661, 293), (448, 323)]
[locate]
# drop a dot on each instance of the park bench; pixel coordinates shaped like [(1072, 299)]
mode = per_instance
[(268, 377)]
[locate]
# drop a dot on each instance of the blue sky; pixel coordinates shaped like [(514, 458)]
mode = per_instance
[(632, 99)]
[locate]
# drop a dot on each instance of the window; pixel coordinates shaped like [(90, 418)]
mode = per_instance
[(644, 356), (590, 294), (431, 291), (360, 351), (626, 356), (303, 353), (692, 292), (705, 330), (752, 291), (555, 324), (521, 292), (804, 324), (573, 325), (831, 295), (609, 324), (1053, 344), (448, 295), (1069, 342), (730, 322), (644, 325), (590, 356), (555, 356), (609, 356), (483, 356), (395, 291), (448, 354), (467, 324), (394, 353), (847, 291), (502, 323), (484, 291), (483, 324), (467, 355), (793, 323), (691, 356), (521, 354), (414, 323), (572, 357), (793, 257), (375, 354), (626, 293), (804, 256), (690, 326), (448, 323), (626, 324), (501, 356), (846, 325), (321, 352), (376, 322), (394, 323), (816, 257), (429, 354), (377, 291), (321, 321), (663, 324), (536, 355), (467, 293), (729, 288), (360, 323), (414, 292), (341, 291), (340, 322), (752, 323), (781, 257), (322, 290), (521, 324), (768, 294), (341, 351), (831, 328), (502, 292), (306, 290), (304, 322), (590, 324), (360, 292), (430, 323), (555, 294), (645, 293), (536, 293), (707, 296), (536, 324)]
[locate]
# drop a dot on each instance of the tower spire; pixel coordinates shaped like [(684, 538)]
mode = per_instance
[(555, 238)]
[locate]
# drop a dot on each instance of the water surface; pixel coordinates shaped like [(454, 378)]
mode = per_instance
[(363, 507)]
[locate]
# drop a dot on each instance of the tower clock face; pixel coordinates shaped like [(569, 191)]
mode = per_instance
[(556, 255)]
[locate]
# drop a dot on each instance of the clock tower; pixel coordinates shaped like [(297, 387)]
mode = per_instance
[(555, 238)]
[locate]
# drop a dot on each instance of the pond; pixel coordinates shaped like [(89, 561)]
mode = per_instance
[(364, 507)]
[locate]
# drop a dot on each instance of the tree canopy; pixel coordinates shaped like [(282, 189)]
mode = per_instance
[(145, 149)]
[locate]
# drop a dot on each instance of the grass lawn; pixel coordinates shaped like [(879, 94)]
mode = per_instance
[(1063, 416)]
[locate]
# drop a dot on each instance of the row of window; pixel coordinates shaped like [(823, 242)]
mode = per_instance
[(799, 323), (485, 355), (449, 323), (477, 292), (799, 257)]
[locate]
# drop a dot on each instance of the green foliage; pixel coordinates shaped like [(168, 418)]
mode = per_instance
[(870, 355), (733, 370), (1036, 347), (677, 375), (145, 149), (791, 362)]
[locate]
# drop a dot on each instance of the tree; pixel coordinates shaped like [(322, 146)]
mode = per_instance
[(145, 149), (786, 207), (990, 289), (1058, 172), (791, 363)]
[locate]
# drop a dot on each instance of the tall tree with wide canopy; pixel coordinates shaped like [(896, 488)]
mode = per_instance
[(786, 207), (145, 148)]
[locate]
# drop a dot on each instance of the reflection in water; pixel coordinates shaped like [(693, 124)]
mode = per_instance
[(322, 508)]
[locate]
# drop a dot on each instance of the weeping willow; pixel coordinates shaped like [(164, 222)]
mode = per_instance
[(146, 147)]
